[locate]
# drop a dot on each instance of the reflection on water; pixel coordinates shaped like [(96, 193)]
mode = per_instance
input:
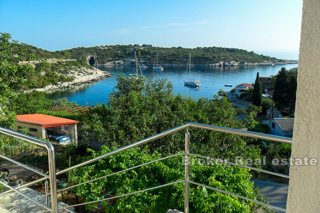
[(68, 92), (212, 80)]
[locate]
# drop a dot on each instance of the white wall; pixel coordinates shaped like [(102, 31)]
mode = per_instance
[(40, 131), (304, 188)]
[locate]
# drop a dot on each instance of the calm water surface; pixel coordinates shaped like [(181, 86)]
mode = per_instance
[(212, 80)]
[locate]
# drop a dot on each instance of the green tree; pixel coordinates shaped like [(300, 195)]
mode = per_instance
[(34, 102), (8, 78), (292, 90), (285, 90), (266, 104), (257, 92), (279, 95)]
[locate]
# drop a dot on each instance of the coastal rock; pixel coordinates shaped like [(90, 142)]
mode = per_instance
[(80, 77)]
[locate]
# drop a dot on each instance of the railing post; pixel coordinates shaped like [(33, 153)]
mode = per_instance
[(46, 189), (52, 178), (186, 171)]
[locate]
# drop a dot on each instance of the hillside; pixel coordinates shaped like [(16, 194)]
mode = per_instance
[(26, 52), (38, 69), (174, 55)]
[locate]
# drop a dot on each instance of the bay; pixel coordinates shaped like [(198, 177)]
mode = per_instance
[(212, 80)]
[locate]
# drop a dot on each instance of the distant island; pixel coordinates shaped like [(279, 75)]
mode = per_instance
[(111, 55)]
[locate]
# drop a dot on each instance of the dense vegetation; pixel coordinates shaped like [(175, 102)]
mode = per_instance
[(31, 67), (26, 52), (173, 55), (233, 179)]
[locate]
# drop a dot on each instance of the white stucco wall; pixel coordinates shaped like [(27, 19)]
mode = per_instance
[(304, 188), (40, 131)]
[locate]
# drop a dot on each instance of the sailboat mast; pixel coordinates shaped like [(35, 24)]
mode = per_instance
[(189, 65), (157, 59), (189, 62), (136, 60), (138, 68)]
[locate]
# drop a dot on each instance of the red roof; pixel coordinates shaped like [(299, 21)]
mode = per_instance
[(245, 85), (45, 120)]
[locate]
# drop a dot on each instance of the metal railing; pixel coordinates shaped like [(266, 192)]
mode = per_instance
[(51, 165), (187, 181)]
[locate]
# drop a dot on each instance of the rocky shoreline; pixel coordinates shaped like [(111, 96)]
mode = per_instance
[(81, 77)]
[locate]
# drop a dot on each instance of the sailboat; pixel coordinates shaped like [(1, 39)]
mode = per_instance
[(156, 65), (138, 68), (191, 83), (143, 66)]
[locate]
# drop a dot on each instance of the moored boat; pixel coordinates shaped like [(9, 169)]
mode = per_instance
[(191, 83), (156, 65)]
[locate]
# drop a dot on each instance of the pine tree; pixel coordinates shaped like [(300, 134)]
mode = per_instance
[(257, 92), (280, 96)]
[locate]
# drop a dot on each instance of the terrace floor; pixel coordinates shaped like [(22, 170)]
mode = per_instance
[(15, 203)]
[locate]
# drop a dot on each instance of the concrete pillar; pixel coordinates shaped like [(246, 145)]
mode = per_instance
[(74, 134), (43, 133), (304, 187)]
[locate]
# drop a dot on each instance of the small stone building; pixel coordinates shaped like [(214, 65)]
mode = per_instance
[(38, 124)]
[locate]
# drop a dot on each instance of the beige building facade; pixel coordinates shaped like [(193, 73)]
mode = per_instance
[(304, 186)]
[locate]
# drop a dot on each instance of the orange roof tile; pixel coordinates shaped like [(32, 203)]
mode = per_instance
[(45, 120)]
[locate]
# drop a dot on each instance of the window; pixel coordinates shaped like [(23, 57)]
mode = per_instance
[(33, 130)]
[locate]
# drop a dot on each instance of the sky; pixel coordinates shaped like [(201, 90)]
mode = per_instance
[(265, 26)]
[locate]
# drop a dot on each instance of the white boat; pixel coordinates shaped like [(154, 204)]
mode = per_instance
[(156, 65), (191, 82), (138, 68), (157, 68), (133, 75), (143, 66)]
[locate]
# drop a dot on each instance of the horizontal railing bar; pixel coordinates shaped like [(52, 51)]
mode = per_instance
[(241, 132), (64, 210), (119, 172), (244, 166), (17, 191), (24, 166), (238, 196), (124, 148), (128, 194), (23, 186), (24, 137)]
